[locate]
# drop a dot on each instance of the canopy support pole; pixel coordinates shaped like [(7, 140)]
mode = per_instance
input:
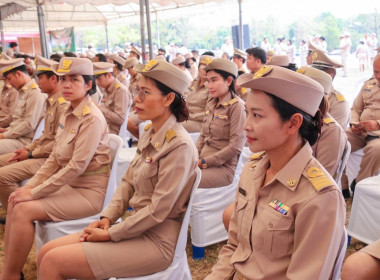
[(107, 38), (240, 27), (41, 25), (149, 29), (142, 31), (2, 34), (158, 31)]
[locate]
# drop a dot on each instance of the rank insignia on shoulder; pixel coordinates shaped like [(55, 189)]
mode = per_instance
[(86, 110), (262, 71), (232, 101), (340, 97), (318, 179), (243, 90), (279, 206), (61, 100), (328, 120), (256, 156), (34, 86), (147, 126), (117, 85), (170, 134)]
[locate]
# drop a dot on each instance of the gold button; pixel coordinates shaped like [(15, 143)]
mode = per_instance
[(157, 145), (291, 182)]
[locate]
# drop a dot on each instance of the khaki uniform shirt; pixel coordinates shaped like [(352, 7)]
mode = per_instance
[(290, 228), (367, 104), (8, 103), (28, 112), (243, 93), (222, 136), (117, 99), (373, 249), (81, 146), (55, 107), (196, 100), (339, 108), (157, 184), (122, 77), (329, 148)]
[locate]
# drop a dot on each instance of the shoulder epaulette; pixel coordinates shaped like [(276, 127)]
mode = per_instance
[(34, 86), (122, 77), (117, 85), (170, 134), (243, 90), (318, 179), (328, 120), (86, 110), (62, 100), (340, 97), (232, 101), (256, 156), (147, 126)]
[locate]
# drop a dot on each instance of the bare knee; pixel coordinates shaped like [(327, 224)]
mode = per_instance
[(360, 266), (42, 252), (227, 213)]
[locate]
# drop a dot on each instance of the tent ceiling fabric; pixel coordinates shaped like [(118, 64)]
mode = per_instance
[(81, 13)]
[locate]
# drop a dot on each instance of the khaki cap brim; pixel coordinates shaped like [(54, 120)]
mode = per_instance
[(73, 66)]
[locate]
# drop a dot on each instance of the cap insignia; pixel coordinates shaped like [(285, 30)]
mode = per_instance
[(207, 60), (151, 64), (66, 63), (302, 70), (314, 56), (262, 72)]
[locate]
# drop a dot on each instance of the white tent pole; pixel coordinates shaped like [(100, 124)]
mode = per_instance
[(41, 25), (107, 38), (240, 27), (142, 30), (149, 29), (158, 31), (2, 34)]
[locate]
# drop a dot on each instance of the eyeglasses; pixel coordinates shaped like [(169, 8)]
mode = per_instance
[(142, 94)]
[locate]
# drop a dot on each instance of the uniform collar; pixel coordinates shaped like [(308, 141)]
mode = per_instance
[(112, 85), (54, 98), (291, 173), (158, 139), (81, 109), (29, 85), (224, 101)]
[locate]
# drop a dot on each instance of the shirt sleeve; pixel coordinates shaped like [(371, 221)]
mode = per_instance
[(357, 107), (121, 103), (170, 184), (33, 111), (325, 214), (237, 138), (84, 149)]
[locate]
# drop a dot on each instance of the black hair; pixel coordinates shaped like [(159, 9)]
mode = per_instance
[(258, 53), (195, 51), (178, 106), (239, 56), (328, 70), (104, 74), (56, 57), (310, 127), (21, 68), (118, 65), (186, 64), (87, 79), (292, 66), (13, 44), (69, 54), (162, 50), (101, 57), (48, 74), (210, 53), (225, 76)]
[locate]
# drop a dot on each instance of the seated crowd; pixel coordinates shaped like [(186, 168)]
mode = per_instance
[(293, 121)]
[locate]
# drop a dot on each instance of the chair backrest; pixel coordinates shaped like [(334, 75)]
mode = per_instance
[(39, 130), (343, 162), (194, 136), (182, 238), (340, 257), (115, 142)]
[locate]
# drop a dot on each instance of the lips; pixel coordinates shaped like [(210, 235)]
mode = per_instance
[(67, 93), (250, 139), (138, 109)]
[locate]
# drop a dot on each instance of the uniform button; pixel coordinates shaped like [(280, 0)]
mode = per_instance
[(270, 225), (157, 145)]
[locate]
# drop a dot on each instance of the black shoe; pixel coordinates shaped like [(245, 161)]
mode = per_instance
[(22, 276), (352, 186), (346, 193), (2, 221)]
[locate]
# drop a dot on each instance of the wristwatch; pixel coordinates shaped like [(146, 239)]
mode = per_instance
[(204, 164), (30, 155)]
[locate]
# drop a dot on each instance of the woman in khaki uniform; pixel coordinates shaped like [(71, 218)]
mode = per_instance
[(363, 265), (222, 136), (196, 97), (72, 183), (157, 186), (285, 198)]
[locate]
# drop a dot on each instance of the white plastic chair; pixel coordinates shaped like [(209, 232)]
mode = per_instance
[(48, 230), (206, 218), (340, 257), (126, 156), (364, 223), (353, 165), (194, 136), (39, 130), (342, 163), (179, 268)]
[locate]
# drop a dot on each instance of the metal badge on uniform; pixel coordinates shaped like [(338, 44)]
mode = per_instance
[(73, 130), (242, 191), (221, 117), (148, 159), (61, 126), (279, 206), (157, 145)]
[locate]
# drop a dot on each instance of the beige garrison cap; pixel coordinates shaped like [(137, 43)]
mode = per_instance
[(166, 73), (179, 59), (206, 59), (117, 58), (223, 65), (279, 60), (317, 75), (240, 53), (135, 50), (8, 65), (44, 64), (188, 55), (73, 66), (160, 57), (319, 58), (102, 67), (311, 46), (130, 62), (4, 56), (292, 87)]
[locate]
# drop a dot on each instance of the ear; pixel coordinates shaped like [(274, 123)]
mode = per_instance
[(229, 80), (295, 123), (169, 99), (88, 86)]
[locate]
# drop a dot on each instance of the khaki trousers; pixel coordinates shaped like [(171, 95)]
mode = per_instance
[(9, 145)]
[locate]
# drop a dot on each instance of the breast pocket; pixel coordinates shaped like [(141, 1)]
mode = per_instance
[(220, 128), (67, 143), (278, 233), (241, 205), (21, 107), (149, 176)]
